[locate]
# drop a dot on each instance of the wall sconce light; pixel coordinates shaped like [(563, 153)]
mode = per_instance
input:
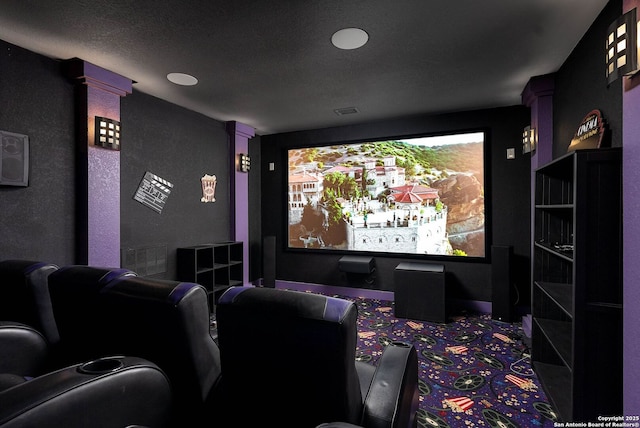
[(622, 47), (107, 133), (244, 162), (529, 140)]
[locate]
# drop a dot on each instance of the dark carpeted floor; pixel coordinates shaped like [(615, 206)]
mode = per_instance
[(474, 371)]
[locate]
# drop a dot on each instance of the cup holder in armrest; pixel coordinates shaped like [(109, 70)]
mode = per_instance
[(101, 366), (401, 344)]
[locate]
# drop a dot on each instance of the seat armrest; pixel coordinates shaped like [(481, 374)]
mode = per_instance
[(23, 349), (393, 397), (108, 392), (338, 425)]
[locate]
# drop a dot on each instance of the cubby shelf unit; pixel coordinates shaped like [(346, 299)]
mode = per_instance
[(216, 266)]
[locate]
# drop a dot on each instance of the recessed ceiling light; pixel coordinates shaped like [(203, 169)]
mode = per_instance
[(349, 38), (182, 79)]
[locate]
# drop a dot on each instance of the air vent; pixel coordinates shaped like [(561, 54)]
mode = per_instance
[(346, 110), (145, 261)]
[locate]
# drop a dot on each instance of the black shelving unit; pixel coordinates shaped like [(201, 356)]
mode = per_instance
[(216, 267), (577, 283)]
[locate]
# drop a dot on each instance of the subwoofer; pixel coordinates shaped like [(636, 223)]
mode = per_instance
[(502, 283)]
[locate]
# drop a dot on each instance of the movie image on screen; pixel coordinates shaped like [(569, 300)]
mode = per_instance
[(416, 196)]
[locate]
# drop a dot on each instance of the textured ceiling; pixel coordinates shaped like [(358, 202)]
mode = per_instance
[(271, 65)]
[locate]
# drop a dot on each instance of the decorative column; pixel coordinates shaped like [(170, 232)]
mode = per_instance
[(538, 96), (631, 235), (239, 189), (98, 93)]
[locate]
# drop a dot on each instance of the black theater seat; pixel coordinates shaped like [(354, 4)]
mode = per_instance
[(24, 353), (25, 295), (295, 354), (163, 321), (106, 393), (73, 292)]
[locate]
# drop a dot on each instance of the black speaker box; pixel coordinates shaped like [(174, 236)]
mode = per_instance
[(269, 261), (14, 159), (420, 292), (356, 264), (502, 306)]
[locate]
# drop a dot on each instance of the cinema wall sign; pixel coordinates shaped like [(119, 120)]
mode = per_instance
[(590, 133)]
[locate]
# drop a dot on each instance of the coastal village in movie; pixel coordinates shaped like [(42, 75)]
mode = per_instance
[(388, 196)]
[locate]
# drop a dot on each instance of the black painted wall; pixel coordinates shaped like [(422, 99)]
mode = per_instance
[(508, 186), (581, 86), (38, 221), (179, 146)]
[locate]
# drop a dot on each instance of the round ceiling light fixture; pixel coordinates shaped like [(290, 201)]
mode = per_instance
[(349, 38), (182, 79)]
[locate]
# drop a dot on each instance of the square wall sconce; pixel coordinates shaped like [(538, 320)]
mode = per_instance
[(244, 162), (529, 140), (622, 47), (107, 133)]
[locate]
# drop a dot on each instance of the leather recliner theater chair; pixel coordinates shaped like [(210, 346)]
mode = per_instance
[(291, 357), (23, 353), (27, 328), (105, 393), (164, 321), (73, 290), (25, 295)]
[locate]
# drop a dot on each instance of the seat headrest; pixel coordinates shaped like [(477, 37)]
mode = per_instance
[(81, 274), (23, 267), (21, 276), (287, 303), (68, 283), (150, 289), (25, 294)]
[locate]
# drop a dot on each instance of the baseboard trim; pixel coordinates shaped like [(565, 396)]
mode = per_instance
[(332, 289), (477, 306), (473, 305)]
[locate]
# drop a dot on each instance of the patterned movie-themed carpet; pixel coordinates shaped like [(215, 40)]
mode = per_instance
[(474, 371)]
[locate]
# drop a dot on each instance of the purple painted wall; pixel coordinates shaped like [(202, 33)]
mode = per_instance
[(631, 236), (240, 135), (103, 207), (99, 92)]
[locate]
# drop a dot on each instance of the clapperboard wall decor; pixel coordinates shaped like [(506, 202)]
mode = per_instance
[(153, 192)]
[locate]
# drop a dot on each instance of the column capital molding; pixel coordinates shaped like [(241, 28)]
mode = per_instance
[(240, 129), (91, 75), (538, 86)]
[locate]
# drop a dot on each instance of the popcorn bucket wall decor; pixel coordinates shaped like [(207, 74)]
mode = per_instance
[(208, 188)]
